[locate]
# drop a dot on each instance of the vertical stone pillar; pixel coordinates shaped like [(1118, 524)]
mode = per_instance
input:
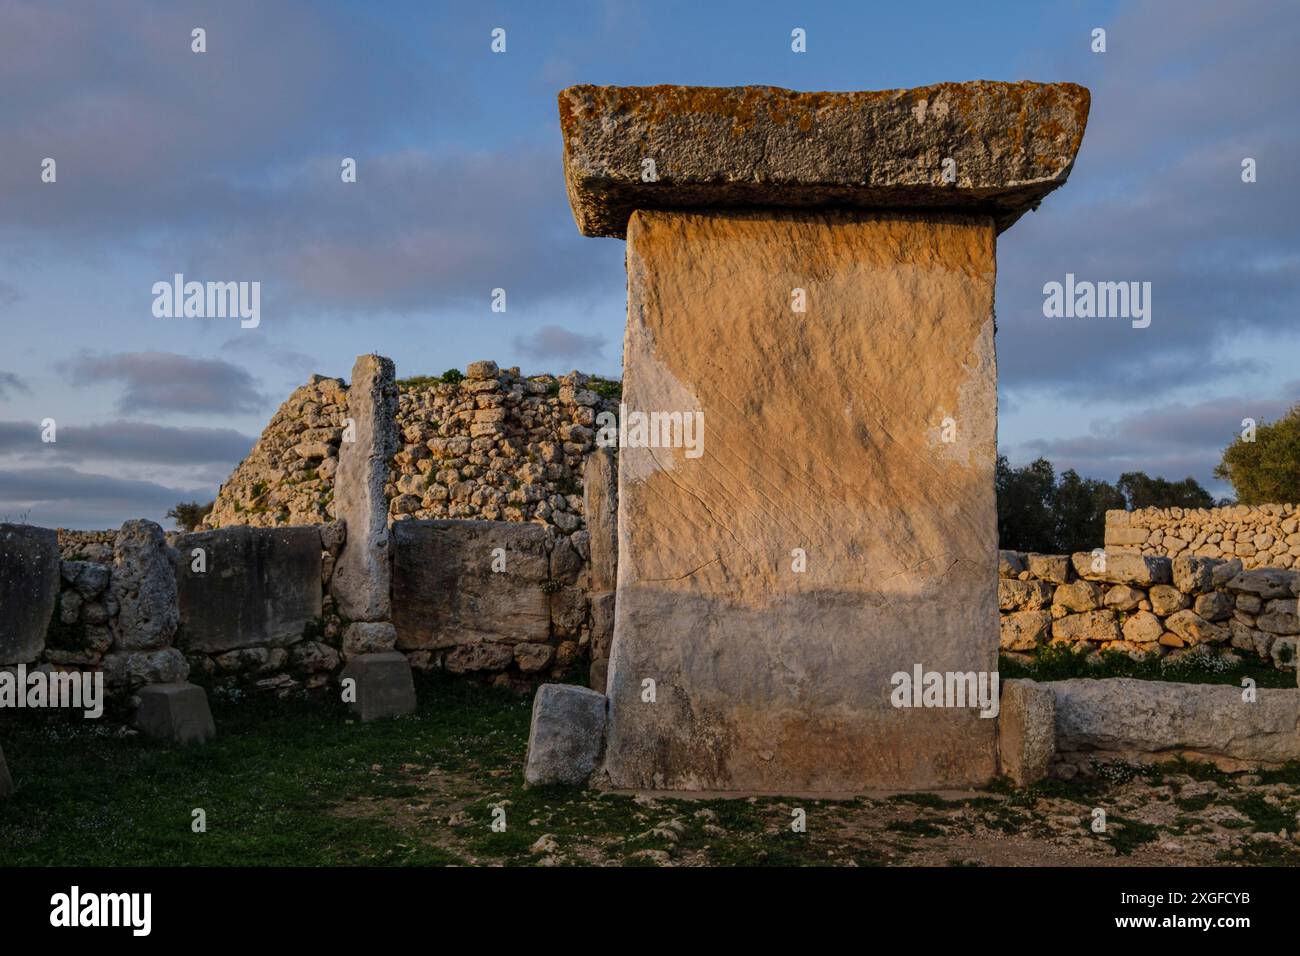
[(600, 505), (810, 278), (363, 572)]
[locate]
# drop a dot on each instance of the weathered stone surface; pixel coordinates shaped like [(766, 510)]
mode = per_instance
[(1267, 583), (362, 572), (369, 637), (1194, 629), (479, 656), (1054, 568), (1120, 714), (384, 685), (760, 146), (532, 658), (1166, 599), (1010, 563), (446, 593), (1088, 626), (1121, 597), (1026, 731), (1142, 570), (767, 679), (567, 735), (133, 668), (1192, 574), (175, 712), (1016, 595), (29, 587), (1214, 605), (600, 506), (143, 583), (1024, 630), (260, 587), (1078, 596), (1143, 628)]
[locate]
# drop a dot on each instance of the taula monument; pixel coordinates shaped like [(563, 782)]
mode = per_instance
[(810, 276)]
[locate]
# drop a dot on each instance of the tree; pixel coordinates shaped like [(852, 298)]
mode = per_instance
[(1266, 470), (189, 514), (1140, 490), (1079, 506), (1025, 521)]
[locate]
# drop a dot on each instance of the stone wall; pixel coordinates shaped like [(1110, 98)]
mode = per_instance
[(1148, 605), (1260, 536), (496, 446)]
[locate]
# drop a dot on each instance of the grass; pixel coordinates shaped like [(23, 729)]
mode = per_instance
[(1060, 662), (298, 782)]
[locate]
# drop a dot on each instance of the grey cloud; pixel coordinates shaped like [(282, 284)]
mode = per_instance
[(66, 497), (125, 441), (9, 383), (168, 382), (556, 342)]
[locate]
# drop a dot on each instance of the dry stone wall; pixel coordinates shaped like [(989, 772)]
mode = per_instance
[(1260, 536), (1148, 606), (497, 446)]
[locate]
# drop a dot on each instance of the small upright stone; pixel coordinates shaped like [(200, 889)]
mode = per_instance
[(567, 736), (1026, 731), (177, 713), (384, 686)]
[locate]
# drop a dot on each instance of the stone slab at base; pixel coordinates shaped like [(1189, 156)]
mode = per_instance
[(177, 713), (567, 735), (385, 687), (1026, 731), (6, 781)]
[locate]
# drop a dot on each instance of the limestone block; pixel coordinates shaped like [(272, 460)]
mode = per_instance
[(258, 587), (384, 685), (132, 668), (567, 735), (1024, 630), (446, 591), (1026, 731), (369, 637), (143, 583), (1122, 714), (1011, 143), (1010, 563), (600, 506), (175, 712), (362, 573), (1023, 595), (29, 588), (767, 679)]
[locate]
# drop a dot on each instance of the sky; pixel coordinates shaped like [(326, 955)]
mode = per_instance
[(225, 166)]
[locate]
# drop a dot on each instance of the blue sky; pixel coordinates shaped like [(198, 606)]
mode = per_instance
[(225, 166)]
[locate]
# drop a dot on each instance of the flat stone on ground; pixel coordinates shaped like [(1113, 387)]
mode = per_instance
[(567, 735), (177, 713), (385, 687)]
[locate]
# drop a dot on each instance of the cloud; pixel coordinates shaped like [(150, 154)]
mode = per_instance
[(125, 441), (65, 497), (9, 382), (556, 342), (167, 382), (1172, 441)]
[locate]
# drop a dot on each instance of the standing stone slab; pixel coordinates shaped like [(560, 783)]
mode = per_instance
[(567, 735), (143, 583), (822, 432), (1026, 731), (843, 362), (6, 781), (385, 687), (363, 571), (29, 588), (259, 587), (177, 713), (446, 594)]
